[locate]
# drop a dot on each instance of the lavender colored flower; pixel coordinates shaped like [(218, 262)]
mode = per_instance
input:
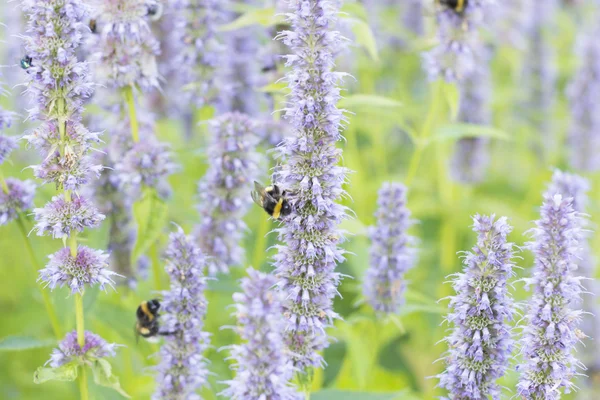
[(306, 259), (224, 190), (392, 250), (125, 48), (7, 145), (6, 117), (17, 196), (149, 163), (60, 217), (480, 341), (584, 132), (454, 58), (412, 16), (509, 19), (70, 351), (262, 363), (88, 268), (571, 185), (471, 158), (183, 369), (551, 331)]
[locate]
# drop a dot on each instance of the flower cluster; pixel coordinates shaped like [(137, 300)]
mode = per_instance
[(307, 258), (88, 267), (61, 217), (182, 369), (15, 196), (126, 49), (454, 58), (392, 250), (7, 145), (69, 350), (551, 333), (480, 343), (224, 191), (584, 137), (263, 367)]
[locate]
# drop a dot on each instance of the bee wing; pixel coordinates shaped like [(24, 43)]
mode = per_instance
[(258, 193)]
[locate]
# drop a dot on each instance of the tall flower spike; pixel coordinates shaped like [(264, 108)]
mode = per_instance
[(480, 343), (471, 156), (584, 132), (306, 259), (262, 363), (182, 368), (551, 331), (224, 190), (392, 250), (453, 59)]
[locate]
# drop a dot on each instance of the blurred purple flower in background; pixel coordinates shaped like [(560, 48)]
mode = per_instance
[(262, 362), (551, 330), (69, 350), (7, 145), (15, 196), (224, 190), (393, 251), (480, 342), (307, 258), (182, 368)]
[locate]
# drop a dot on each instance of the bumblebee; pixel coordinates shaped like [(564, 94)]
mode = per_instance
[(26, 62), (272, 199), (147, 319), (456, 5), (155, 11), (93, 25)]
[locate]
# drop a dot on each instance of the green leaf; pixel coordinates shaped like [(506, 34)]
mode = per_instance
[(150, 215), (361, 101), (355, 10), (276, 87), (354, 227), (364, 37), (459, 131), (103, 376), (263, 16), (452, 96), (21, 343), (67, 372), (332, 394)]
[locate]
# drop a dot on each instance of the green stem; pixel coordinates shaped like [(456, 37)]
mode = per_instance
[(79, 319), (156, 266), (3, 183), (45, 296), (83, 384), (129, 98), (261, 242), (414, 164)]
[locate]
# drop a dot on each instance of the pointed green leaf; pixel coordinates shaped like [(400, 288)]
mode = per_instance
[(150, 215), (263, 16), (360, 101), (21, 343), (103, 376), (67, 372), (458, 131), (276, 87), (355, 10), (332, 394), (364, 37)]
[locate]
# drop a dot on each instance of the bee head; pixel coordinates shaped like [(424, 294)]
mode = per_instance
[(153, 306), (286, 208)]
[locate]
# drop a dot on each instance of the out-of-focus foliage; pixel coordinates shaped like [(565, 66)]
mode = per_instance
[(390, 104)]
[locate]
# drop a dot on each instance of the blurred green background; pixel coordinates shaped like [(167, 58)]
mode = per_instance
[(391, 104)]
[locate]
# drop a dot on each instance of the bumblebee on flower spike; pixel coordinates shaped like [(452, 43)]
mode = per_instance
[(456, 5), (272, 199), (147, 324)]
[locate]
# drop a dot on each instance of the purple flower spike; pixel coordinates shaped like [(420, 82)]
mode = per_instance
[(307, 258), (224, 190), (479, 342), (69, 350), (7, 145), (551, 330), (19, 198), (183, 369), (60, 217), (263, 366), (88, 268), (392, 250)]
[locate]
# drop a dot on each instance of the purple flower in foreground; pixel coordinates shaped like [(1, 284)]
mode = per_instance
[(551, 330), (88, 268), (392, 250), (307, 258), (69, 350), (224, 190), (262, 363), (584, 132), (19, 197), (183, 369), (7, 145), (60, 217), (479, 343)]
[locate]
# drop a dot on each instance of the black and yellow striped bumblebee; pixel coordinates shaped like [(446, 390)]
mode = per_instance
[(456, 5), (272, 199), (147, 324)]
